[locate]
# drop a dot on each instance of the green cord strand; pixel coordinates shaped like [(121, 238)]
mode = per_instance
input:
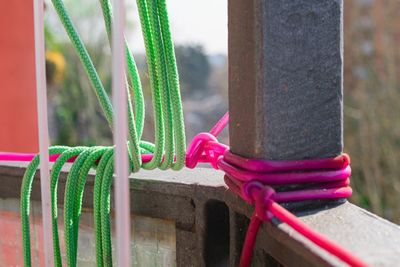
[(69, 220), (162, 80), (105, 212), (131, 68), (85, 59), (134, 77), (97, 204), (88, 164), (146, 147), (158, 118), (55, 172), (26, 189), (173, 76)]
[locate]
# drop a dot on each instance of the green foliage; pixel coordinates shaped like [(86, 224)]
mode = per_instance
[(78, 117), (372, 97)]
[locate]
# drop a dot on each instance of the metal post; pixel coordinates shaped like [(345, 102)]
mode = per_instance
[(41, 96), (285, 78), (120, 136)]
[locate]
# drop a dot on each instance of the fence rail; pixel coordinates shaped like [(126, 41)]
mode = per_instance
[(285, 94), (211, 222)]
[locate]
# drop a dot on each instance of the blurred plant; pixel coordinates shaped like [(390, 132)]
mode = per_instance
[(194, 69), (372, 97), (75, 117), (55, 67)]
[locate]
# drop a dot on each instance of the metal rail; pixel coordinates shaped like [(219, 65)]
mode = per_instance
[(120, 136), (41, 94)]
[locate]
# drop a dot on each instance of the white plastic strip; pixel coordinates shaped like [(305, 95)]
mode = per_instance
[(121, 192), (38, 9)]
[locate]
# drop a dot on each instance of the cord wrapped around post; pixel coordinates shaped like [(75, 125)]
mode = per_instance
[(252, 180)]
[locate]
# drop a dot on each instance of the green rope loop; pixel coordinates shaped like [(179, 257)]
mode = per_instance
[(55, 172), (26, 190), (168, 150)]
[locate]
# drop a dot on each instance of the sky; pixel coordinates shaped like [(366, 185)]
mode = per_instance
[(193, 21)]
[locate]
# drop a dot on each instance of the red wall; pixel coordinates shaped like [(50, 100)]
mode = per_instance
[(18, 130)]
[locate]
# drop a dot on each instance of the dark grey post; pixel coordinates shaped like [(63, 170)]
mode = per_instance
[(285, 93), (285, 78)]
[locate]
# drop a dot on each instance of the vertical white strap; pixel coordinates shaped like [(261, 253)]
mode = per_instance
[(120, 136), (38, 7)]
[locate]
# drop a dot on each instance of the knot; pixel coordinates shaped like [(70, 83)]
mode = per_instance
[(204, 148), (261, 196)]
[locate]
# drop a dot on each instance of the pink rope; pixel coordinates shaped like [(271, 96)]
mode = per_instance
[(220, 125), (11, 156), (251, 179)]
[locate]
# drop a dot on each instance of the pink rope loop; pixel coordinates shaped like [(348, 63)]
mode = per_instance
[(263, 200), (251, 179), (196, 148), (249, 188), (205, 148)]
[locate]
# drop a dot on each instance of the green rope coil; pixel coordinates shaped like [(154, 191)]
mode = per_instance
[(26, 189), (55, 172), (168, 150)]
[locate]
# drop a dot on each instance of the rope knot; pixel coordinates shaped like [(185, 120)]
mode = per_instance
[(205, 148), (261, 196)]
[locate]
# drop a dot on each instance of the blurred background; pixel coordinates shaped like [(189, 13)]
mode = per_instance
[(371, 84)]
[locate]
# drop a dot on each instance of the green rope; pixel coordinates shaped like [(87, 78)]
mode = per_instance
[(97, 204), (55, 172), (173, 80), (85, 59), (69, 219), (168, 150), (132, 70), (134, 78), (155, 87), (162, 80), (105, 212), (26, 189)]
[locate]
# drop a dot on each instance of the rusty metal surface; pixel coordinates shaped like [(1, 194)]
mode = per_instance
[(285, 78), (183, 197)]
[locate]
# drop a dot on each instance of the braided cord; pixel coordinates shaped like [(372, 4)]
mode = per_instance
[(97, 204), (134, 135), (26, 190), (173, 81), (162, 81), (85, 59), (155, 87), (105, 212), (132, 70), (69, 220), (169, 134), (55, 172)]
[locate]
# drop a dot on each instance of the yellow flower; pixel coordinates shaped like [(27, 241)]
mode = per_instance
[(55, 64)]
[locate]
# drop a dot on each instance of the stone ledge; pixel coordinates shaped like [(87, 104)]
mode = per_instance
[(183, 196)]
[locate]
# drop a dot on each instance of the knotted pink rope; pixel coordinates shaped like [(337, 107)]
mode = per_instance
[(10, 156), (251, 179)]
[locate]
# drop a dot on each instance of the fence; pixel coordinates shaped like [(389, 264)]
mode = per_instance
[(285, 83)]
